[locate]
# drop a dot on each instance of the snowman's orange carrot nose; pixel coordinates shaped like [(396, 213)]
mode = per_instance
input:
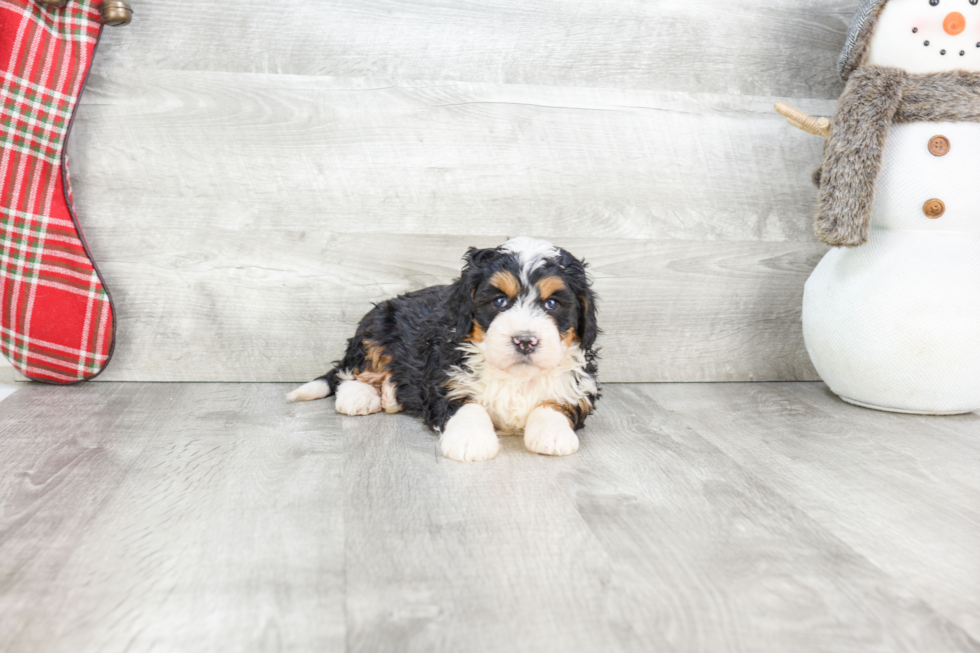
[(954, 24)]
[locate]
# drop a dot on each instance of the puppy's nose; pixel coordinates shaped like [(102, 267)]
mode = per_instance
[(525, 343), (955, 23)]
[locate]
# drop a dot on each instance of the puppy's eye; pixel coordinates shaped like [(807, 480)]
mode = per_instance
[(551, 304), (500, 302)]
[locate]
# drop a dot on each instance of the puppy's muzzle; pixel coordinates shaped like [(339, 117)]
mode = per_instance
[(525, 343)]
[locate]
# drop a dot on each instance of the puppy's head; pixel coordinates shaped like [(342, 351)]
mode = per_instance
[(525, 304)]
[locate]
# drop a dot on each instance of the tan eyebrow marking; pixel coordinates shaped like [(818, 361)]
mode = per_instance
[(548, 286), (506, 282)]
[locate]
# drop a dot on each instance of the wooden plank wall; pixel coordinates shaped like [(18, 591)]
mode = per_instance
[(252, 175)]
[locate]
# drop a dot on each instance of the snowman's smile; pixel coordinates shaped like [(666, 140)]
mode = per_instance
[(927, 36), (954, 24)]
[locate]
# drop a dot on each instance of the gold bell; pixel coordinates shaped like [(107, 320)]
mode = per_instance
[(54, 3), (116, 12)]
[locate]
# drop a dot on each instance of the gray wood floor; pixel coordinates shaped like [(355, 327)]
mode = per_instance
[(754, 518)]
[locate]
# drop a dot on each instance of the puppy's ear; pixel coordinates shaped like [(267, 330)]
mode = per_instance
[(461, 306), (581, 285), (588, 323), (478, 258)]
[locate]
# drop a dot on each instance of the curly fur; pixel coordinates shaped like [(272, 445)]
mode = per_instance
[(874, 98)]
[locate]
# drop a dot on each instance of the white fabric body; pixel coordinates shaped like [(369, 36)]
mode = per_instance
[(894, 43), (895, 324), (910, 176)]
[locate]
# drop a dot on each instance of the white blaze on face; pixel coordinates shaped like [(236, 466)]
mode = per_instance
[(525, 318), (904, 27), (531, 253)]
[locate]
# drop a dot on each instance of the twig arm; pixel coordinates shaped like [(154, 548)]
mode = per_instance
[(806, 122)]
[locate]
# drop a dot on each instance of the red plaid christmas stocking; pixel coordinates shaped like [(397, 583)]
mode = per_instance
[(57, 319)]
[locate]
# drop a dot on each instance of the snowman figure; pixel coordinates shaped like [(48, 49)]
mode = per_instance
[(891, 316)]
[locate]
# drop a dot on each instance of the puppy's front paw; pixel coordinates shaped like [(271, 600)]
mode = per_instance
[(469, 436), (548, 433), (357, 398)]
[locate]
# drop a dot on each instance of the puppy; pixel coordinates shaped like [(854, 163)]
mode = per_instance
[(507, 348)]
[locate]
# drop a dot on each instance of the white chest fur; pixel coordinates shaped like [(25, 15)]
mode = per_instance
[(510, 398)]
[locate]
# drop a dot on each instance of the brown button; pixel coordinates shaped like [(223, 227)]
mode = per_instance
[(934, 209), (939, 145)]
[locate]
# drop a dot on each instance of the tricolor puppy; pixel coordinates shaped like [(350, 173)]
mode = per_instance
[(507, 348)]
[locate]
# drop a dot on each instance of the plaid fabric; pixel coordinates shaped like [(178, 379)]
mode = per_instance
[(57, 320)]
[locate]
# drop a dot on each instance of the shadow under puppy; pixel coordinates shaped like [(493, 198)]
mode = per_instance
[(507, 348)]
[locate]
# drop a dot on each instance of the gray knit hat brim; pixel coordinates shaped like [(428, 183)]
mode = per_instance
[(857, 36)]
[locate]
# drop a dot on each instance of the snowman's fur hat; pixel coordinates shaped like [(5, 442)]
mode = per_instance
[(858, 36)]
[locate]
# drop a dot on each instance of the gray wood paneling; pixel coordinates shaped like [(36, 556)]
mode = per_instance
[(723, 518), (280, 304), (359, 156), (741, 47), (234, 167)]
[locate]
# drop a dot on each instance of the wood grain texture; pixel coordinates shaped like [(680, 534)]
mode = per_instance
[(723, 518), (217, 263), (279, 305), (363, 156), (741, 47), (250, 180), (176, 518), (901, 490)]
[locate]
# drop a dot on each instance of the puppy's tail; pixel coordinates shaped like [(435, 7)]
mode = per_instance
[(322, 387)]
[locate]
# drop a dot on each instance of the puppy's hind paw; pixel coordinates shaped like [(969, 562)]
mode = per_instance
[(357, 398), (548, 433), (469, 436)]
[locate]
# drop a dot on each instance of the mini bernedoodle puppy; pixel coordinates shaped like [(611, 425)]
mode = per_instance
[(507, 348)]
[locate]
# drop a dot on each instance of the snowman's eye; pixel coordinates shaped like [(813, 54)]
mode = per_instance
[(934, 2)]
